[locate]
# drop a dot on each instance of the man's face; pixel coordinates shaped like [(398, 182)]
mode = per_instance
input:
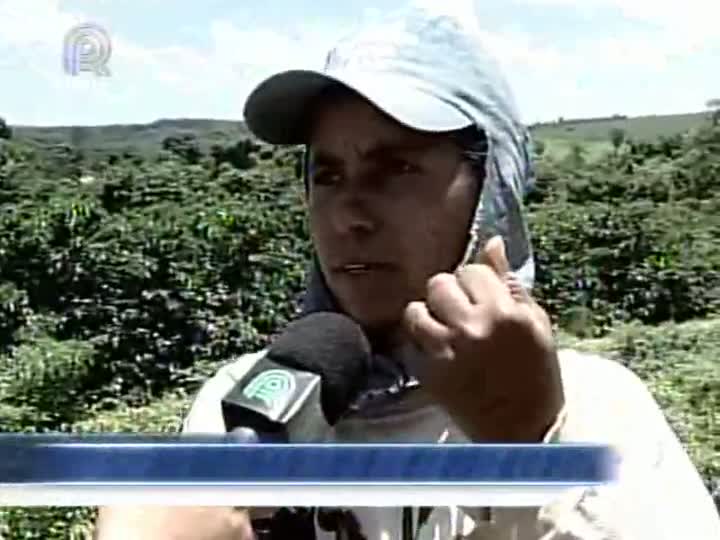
[(389, 208)]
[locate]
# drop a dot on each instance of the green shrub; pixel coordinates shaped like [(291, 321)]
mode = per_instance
[(640, 261), (155, 265), (31, 376)]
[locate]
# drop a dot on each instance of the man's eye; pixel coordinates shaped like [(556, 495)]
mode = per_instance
[(402, 167), (325, 178)]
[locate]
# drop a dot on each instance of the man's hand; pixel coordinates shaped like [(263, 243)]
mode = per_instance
[(491, 359)]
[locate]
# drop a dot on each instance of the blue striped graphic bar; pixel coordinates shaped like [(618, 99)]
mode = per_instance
[(118, 460)]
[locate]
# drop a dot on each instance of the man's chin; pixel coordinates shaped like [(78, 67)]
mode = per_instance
[(375, 319)]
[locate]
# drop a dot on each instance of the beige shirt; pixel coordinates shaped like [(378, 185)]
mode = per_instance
[(658, 496)]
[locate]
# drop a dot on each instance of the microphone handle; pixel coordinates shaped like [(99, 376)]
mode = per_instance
[(243, 435), (247, 435)]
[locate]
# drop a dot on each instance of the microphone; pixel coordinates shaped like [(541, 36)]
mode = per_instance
[(306, 381)]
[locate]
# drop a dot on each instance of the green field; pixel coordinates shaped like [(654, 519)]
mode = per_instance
[(146, 139), (594, 135), (558, 149), (641, 128)]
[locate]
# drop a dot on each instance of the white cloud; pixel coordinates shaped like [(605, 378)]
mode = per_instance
[(663, 34), (190, 81), (34, 22), (237, 58), (519, 50), (32, 33), (695, 21), (688, 25), (269, 49), (31, 45)]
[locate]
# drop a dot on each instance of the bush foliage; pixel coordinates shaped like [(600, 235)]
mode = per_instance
[(126, 281)]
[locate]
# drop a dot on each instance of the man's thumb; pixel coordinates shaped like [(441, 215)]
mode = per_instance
[(493, 254)]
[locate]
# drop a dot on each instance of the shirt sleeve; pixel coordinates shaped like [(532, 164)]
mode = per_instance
[(658, 493)]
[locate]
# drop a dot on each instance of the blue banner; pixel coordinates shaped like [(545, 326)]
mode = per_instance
[(117, 459)]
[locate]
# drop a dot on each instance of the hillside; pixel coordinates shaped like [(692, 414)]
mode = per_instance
[(146, 139), (594, 134), (640, 128)]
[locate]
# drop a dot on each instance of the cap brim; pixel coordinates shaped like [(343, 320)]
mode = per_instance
[(277, 110)]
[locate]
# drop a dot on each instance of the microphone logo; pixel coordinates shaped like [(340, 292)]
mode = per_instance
[(271, 386), (86, 47)]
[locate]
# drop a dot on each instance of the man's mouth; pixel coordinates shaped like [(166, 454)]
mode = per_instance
[(355, 268), (363, 268)]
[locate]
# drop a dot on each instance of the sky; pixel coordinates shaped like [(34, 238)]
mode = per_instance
[(200, 59)]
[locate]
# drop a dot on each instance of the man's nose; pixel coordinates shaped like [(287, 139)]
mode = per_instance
[(355, 214)]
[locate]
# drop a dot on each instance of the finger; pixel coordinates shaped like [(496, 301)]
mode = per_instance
[(493, 255), (517, 291), (428, 333), (447, 301), (482, 285)]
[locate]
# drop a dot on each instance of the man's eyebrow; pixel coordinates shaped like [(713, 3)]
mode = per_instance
[(376, 152), (388, 149), (322, 158)]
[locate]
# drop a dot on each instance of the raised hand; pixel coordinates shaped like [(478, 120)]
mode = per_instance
[(490, 357)]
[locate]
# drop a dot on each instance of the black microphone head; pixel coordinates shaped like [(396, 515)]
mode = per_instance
[(332, 346)]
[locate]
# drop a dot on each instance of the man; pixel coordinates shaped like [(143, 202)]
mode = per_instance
[(416, 167)]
